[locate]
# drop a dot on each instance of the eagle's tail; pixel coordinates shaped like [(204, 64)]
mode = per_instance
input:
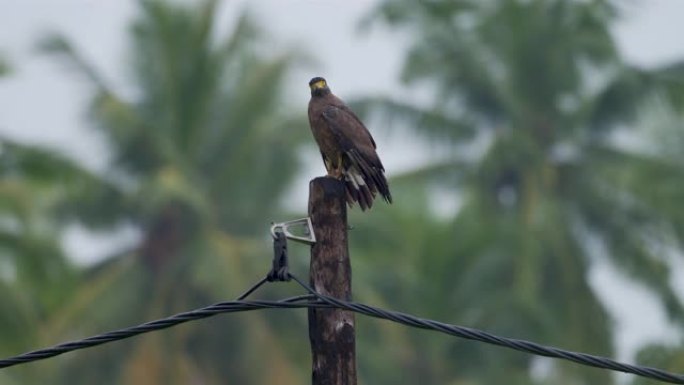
[(357, 190), (363, 186)]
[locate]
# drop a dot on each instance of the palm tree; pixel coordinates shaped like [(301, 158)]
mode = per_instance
[(202, 147), (35, 275), (36, 278), (542, 84), (663, 140)]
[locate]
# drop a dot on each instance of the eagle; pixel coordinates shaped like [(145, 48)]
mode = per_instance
[(347, 147)]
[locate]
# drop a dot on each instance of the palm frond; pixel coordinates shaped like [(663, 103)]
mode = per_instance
[(435, 123), (450, 171), (59, 46), (630, 231)]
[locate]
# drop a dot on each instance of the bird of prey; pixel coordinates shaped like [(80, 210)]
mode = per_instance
[(348, 149)]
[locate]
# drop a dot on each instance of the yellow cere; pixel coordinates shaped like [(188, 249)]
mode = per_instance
[(318, 84)]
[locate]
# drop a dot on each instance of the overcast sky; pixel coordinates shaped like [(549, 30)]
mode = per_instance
[(42, 103)]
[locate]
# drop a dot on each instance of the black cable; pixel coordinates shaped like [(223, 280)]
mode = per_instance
[(481, 336), (252, 289), (222, 307), (316, 300)]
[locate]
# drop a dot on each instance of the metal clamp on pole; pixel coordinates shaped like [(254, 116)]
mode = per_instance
[(281, 233), (307, 232)]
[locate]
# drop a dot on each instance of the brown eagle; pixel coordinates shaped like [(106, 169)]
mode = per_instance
[(348, 149)]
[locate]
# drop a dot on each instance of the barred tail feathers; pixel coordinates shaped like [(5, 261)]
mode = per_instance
[(357, 190), (371, 173)]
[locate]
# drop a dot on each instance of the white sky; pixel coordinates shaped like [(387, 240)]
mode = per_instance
[(42, 103)]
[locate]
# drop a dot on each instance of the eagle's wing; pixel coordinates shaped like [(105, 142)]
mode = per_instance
[(347, 110), (361, 164)]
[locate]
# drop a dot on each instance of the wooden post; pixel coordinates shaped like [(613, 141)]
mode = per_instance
[(331, 331)]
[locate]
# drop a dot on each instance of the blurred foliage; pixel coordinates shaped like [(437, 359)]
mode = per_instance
[(202, 147), (529, 97), (35, 276), (4, 66), (542, 84), (670, 358)]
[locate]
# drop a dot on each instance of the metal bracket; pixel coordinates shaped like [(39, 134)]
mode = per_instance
[(309, 238), (281, 233)]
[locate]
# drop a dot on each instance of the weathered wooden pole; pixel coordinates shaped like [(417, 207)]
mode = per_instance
[(331, 331)]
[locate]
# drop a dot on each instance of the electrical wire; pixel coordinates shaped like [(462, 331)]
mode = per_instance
[(222, 307), (317, 300), (481, 336)]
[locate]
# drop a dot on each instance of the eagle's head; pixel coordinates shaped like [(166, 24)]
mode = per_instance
[(318, 86)]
